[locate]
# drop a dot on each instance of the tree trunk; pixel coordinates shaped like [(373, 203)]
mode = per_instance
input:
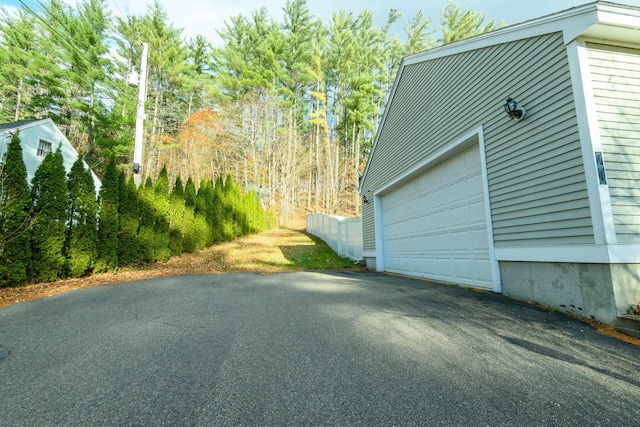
[(16, 114)]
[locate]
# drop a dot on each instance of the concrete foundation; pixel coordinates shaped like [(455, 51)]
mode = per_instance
[(599, 291), (371, 263)]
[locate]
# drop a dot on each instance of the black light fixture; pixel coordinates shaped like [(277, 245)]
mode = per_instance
[(365, 200), (512, 109)]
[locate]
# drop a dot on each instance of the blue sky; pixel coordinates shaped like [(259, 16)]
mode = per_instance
[(205, 16)]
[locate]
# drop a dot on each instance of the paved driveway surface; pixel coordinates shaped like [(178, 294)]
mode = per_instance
[(306, 348)]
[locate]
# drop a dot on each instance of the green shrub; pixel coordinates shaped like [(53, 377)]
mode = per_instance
[(162, 213), (146, 230), (81, 249), (129, 217), (51, 202), (109, 221), (177, 212), (15, 217)]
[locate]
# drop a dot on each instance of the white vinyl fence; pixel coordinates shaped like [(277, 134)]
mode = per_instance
[(342, 234)]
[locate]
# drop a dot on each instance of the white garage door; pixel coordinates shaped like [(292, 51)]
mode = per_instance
[(435, 227)]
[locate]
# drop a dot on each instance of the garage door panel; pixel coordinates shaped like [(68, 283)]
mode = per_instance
[(459, 241), (479, 241), (440, 198), (435, 225), (473, 184), (456, 167), (464, 269), (440, 242), (458, 216), (457, 192), (477, 213), (482, 270)]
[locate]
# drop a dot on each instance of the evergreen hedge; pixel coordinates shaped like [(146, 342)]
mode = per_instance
[(81, 250), (59, 228), (51, 216), (109, 221), (15, 217), (129, 217)]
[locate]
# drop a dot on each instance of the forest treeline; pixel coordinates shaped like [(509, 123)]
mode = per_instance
[(289, 107), (57, 227)]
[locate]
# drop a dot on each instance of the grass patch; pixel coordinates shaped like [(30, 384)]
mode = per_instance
[(282, 250)]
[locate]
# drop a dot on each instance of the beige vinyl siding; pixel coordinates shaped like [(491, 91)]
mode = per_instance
[(615, 76), (536, 177)]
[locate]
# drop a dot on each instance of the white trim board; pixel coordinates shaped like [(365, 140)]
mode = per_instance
[(589, 130), (578, 254), (439, 156)]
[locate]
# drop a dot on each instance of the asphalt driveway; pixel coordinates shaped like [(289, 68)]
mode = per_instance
[(306, 348)]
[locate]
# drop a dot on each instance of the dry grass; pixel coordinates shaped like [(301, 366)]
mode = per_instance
[(268, 252)]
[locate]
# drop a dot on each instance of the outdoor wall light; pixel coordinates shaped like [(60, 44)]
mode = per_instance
[(364, 199), (512, 109)]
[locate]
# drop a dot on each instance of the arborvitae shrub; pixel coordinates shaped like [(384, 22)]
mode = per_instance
[(15, 219), (176, 218), (189, 241), (49, 232), (146, 230), (109, 221), (129, 215), (202, 226), (226, 214), (161, 205), (190, 193), (218, 214), (201, 230), (81, 249)]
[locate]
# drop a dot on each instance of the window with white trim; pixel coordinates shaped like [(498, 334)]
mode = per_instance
[(44, 148)]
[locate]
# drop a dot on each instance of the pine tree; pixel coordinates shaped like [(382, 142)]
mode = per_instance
[(162, 212), (77, 37), (80, 249), (51, 216), (19, 45), (15, 216), (418, 30), (109, 221), (459, 24), (129, 216)]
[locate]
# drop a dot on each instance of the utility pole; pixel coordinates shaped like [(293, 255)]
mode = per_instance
[(142, 95)]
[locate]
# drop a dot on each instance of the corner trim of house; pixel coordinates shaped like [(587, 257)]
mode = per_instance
[(590, 142), (377, 204), (495, 266)]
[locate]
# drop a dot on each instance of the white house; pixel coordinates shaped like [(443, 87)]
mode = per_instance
[(39, 137), (544, 206)]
